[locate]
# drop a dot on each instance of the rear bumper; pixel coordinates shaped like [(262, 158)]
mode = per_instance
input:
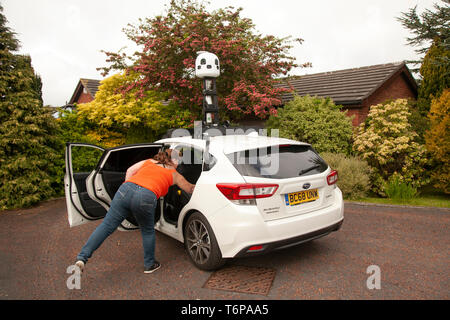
[(238, 228), (282, 244)]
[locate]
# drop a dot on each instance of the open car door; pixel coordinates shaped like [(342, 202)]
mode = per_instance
[(81, 160), (89, 194)]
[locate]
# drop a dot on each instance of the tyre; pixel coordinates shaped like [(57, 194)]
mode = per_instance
[(201, 244)]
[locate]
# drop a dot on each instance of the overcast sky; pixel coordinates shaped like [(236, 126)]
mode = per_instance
[(64, 37)]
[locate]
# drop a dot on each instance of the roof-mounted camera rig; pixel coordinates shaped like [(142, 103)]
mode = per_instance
[(207, 67)]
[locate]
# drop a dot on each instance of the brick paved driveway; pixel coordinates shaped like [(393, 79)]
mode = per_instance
[(410, 245)]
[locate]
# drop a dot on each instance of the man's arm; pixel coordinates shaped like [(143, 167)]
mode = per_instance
[(180, 181), (133, 169)]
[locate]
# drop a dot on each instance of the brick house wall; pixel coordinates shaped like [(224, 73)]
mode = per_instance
[(357, 112), (84, 97), (84, 92), (394, 88)]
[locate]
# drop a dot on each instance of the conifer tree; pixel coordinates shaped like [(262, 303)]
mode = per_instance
[(435, 75), (28, 132), (428, 28)]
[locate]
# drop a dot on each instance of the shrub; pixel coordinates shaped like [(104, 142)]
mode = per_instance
[(314, 120), (438, 140), (419, 121), (75, 129), (399, 190), (354, 174), (385, 140), (28, 132), (127, 118)]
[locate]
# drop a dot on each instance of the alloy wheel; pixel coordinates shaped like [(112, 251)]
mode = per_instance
[(199, 244)]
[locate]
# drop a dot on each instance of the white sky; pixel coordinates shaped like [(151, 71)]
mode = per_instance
[(64, 37)]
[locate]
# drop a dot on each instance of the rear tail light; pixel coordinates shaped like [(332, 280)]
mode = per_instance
[(255, 248), (246, 193), (332, 178)]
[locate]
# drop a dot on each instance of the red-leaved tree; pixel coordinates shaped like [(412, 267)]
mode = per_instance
[(250, 62)]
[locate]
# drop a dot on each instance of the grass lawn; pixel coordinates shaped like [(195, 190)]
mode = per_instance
[(425, 200)]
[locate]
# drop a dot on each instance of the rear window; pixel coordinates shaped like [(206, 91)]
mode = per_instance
[(278, 162)]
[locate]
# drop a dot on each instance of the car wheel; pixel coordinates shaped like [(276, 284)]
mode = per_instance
[(201, 243)]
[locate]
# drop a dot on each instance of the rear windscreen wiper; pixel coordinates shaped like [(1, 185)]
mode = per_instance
[(308, 169)]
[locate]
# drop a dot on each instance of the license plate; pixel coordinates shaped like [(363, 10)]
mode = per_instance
[(295, 198)]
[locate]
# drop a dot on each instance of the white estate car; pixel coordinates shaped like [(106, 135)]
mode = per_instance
[(253, 194)]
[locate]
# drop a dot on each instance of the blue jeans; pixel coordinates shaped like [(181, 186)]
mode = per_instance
[(141, 203)]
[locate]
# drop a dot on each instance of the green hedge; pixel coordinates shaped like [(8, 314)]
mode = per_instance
[(314, 120)]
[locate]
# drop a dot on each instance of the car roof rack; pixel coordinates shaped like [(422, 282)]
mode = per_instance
[(216, 130)]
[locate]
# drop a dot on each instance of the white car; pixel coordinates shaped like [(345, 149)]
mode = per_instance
[(253, 194)]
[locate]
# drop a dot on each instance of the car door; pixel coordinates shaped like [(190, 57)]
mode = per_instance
[(81, 160), (99, 186)]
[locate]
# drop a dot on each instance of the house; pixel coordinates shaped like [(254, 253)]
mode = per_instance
[(356, 89), (84, 92)]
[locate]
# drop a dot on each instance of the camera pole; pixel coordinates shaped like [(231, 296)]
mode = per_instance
[(210, 111)]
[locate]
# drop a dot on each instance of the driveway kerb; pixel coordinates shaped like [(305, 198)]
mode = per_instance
[(395, 206)]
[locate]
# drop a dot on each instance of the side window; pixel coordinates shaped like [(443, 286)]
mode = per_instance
[(118, 162), (189, 155), (121, 160), (209, 163), (84, 158)]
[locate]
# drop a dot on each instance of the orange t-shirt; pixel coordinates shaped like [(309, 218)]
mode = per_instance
[(154, 178)]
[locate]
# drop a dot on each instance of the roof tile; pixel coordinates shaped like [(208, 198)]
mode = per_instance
[(349, 86)]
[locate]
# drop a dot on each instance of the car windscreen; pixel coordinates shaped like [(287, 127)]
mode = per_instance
[(278, 162)]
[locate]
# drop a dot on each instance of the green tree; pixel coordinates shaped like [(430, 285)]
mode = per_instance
[(28, 132), (428, 28), (431, 35), (122, 118), (75, 129), (435, 75), (314, 120), (249, 61)]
